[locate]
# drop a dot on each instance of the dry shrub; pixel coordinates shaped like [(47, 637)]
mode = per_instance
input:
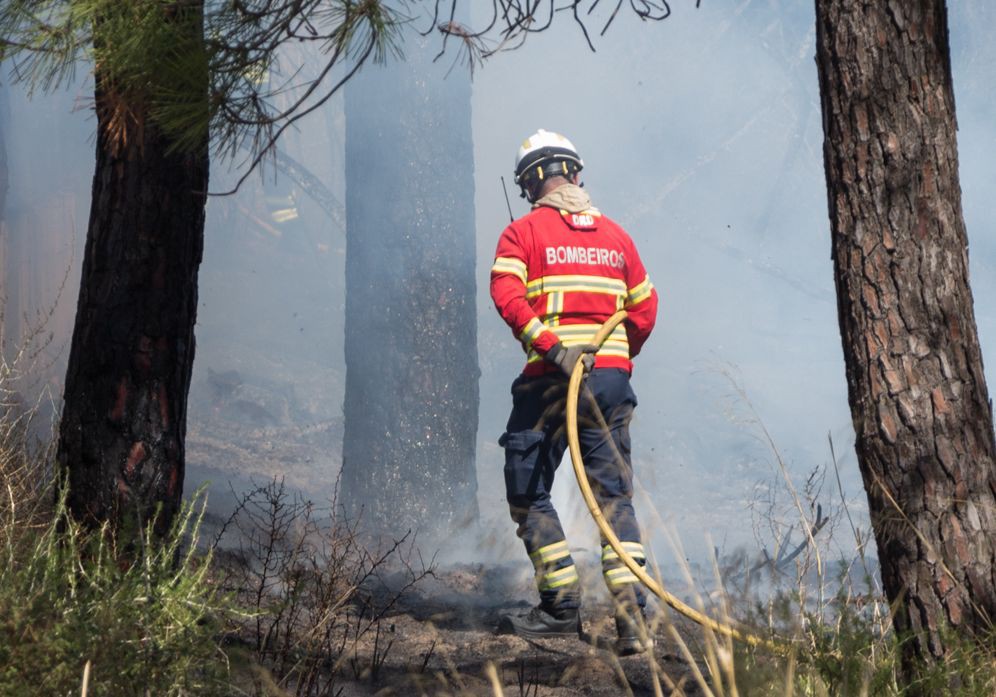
[(312, 591), (27, 442)]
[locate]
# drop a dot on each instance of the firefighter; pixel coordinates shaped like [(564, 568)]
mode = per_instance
[(559, 272)]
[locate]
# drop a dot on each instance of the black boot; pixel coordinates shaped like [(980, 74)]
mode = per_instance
[(539, 623), (634, 633)]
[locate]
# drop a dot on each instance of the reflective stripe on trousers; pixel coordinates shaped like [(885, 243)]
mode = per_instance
[(535, 441)]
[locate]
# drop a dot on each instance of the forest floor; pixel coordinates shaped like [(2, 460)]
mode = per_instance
[(439, 636), (440, 640)]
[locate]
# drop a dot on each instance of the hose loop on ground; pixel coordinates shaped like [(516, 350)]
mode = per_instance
[(573, 392)]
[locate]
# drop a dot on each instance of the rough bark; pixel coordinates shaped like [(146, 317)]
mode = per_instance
[(411, 328), (124, 417), (916, 387)]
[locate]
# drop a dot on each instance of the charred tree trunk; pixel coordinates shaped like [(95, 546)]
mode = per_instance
[(4, 173), (916, 388), (124, 417), (411, 328), (4, 232)]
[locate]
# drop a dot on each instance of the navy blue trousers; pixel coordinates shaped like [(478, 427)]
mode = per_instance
[(535, 440)]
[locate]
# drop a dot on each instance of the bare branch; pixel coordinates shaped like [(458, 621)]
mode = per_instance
[(249, 102), (513, 20)]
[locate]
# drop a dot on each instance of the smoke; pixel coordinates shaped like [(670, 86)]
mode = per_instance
[(46, 175), (701, 135)]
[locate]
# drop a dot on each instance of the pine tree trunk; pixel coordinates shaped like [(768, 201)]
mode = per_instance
[(411, 327), (916, 387), (5, 284), (124, 417), (4, 173)]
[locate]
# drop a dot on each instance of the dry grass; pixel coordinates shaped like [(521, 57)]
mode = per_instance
[(295, 603)]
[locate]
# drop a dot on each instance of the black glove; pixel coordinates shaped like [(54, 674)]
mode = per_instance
[(565, 357)]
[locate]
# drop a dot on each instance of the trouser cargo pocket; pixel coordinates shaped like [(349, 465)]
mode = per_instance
[(524, 476)]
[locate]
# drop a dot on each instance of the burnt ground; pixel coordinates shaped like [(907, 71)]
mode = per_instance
[(442, 641), (438, 639)]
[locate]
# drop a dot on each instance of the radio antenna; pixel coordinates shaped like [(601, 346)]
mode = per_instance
[(511, 217)]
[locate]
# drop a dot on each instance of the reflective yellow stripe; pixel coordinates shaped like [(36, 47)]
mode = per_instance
[(635, 550), (617, 345), (532, 330), (554, 307), (559, 584), (551, 552), (584, 333), (639, 292), (619, 577), (574, 284), (552, 557), (590, 211), (511, 265), (558, 578), (560, 574)]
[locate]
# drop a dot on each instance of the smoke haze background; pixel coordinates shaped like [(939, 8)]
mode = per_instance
[(701, 135)]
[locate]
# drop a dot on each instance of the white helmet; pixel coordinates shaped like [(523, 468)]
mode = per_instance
[(541, 155)]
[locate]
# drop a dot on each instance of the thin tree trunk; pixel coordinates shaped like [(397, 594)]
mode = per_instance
[(411, 327), (916, 387), (124, 417)]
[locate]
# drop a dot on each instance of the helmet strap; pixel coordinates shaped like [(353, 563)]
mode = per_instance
[(531, 183), (531, 188)]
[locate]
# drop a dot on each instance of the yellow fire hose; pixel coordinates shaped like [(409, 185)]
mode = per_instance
[(573, 390)]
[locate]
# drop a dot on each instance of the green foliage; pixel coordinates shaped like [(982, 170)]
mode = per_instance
[(68, 596), (968, 669), (195, 67), (853, 651)]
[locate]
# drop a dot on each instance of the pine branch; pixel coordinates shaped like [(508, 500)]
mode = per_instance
[(216, 70)]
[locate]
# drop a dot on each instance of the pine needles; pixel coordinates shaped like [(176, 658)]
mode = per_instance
[(196, 68)]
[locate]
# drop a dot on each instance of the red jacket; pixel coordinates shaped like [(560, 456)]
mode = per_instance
[(558, 276)]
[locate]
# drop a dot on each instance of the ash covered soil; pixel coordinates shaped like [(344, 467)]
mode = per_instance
[(440, 640)]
